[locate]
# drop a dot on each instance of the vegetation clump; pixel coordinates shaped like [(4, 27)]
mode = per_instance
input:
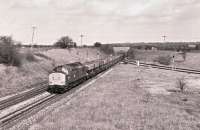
[(8, 52), (65, 42), (97, 44), (181, 84), (30, 56), (107, 49), (165, 60), (131, 53), (184, 54)]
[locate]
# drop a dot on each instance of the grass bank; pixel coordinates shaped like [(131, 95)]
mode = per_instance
[(16, 79)]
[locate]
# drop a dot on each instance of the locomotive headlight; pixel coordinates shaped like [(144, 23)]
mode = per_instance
[(63, 82), (50, 83)]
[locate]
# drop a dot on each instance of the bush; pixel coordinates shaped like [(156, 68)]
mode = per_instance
[(85, 46), (131, 53), (19, 44), (165, 60), (30, 56), (16, 60), (181, 84), (97, 44), (8, 52), (108, 49), (184, 55)]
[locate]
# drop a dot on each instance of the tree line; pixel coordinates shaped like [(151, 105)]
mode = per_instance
[(10, 55)]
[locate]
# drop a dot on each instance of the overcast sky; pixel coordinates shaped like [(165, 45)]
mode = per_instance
[(101, 20)]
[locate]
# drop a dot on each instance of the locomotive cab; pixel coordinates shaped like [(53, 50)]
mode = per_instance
[(64, 76)]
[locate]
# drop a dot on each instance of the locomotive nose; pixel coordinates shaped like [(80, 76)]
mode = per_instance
[(57, 79)]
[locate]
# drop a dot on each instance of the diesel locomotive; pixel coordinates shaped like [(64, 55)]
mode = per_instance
[(64, 77)]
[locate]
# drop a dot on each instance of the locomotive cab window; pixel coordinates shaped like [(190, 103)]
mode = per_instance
[(61, 69), (65, 70)]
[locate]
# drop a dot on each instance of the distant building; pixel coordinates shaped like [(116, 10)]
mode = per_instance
[(192, 46)]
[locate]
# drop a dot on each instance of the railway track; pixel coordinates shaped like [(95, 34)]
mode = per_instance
[(178, 69), (9, 119), (23, 96), (15, 115)]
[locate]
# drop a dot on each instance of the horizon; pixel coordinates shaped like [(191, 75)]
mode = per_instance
[(159, 42)]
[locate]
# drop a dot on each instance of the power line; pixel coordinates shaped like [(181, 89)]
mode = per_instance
[(33, 34), (164, 37), (81, 39)]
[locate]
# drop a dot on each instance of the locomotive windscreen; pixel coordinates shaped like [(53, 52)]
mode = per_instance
[(61, 69)]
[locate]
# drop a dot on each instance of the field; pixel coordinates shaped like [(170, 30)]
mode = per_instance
[(150, 55), (14, 79), (192, 58), (192, 61), (126, 98)]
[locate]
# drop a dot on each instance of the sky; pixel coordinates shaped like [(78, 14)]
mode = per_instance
[(106, 21)]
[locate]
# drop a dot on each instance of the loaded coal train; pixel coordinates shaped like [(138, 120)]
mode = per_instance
[(64, 77)]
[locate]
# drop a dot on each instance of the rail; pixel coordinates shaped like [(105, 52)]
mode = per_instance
[(23, 96)]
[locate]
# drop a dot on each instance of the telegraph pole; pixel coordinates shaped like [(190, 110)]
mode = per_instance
[(164, 38), (81, 39), (33, 34)]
